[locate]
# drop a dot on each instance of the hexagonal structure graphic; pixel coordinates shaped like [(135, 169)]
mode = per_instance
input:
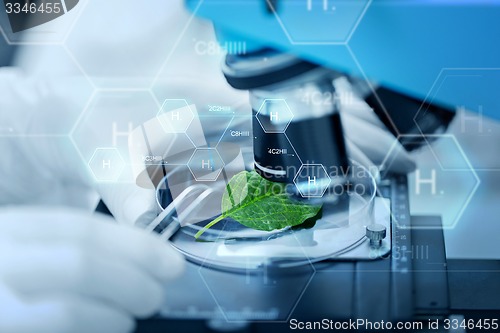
[(206, 164), (175, 115), (106, 164), (472, 126), (108, 121), (274, 115), (120, 48), (271, 293), (444, 181), (62, 104), (312, 180), (319, 22)]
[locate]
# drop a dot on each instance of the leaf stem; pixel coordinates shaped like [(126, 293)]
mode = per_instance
[(208, 226)]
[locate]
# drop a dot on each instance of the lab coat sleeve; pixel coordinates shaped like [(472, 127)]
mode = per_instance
[(38, 164)]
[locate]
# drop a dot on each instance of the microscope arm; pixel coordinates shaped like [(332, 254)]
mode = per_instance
[(443, 52)]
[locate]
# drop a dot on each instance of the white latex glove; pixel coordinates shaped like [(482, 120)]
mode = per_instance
[(67, 271)]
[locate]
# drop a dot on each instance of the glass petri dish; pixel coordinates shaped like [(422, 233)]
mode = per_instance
[(348, 207)]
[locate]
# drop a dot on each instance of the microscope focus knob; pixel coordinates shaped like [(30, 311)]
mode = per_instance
[(375, 233)]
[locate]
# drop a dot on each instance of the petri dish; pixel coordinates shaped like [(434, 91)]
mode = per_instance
[(348, 207)]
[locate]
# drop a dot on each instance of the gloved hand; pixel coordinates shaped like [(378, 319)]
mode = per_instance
[(68, 271)]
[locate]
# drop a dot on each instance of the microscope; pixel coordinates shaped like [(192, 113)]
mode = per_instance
[(392, 53), (298, 47)]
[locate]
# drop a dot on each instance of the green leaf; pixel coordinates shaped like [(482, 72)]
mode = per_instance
[(260, 204)]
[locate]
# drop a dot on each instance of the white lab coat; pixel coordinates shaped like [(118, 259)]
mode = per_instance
[(66, 271)]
